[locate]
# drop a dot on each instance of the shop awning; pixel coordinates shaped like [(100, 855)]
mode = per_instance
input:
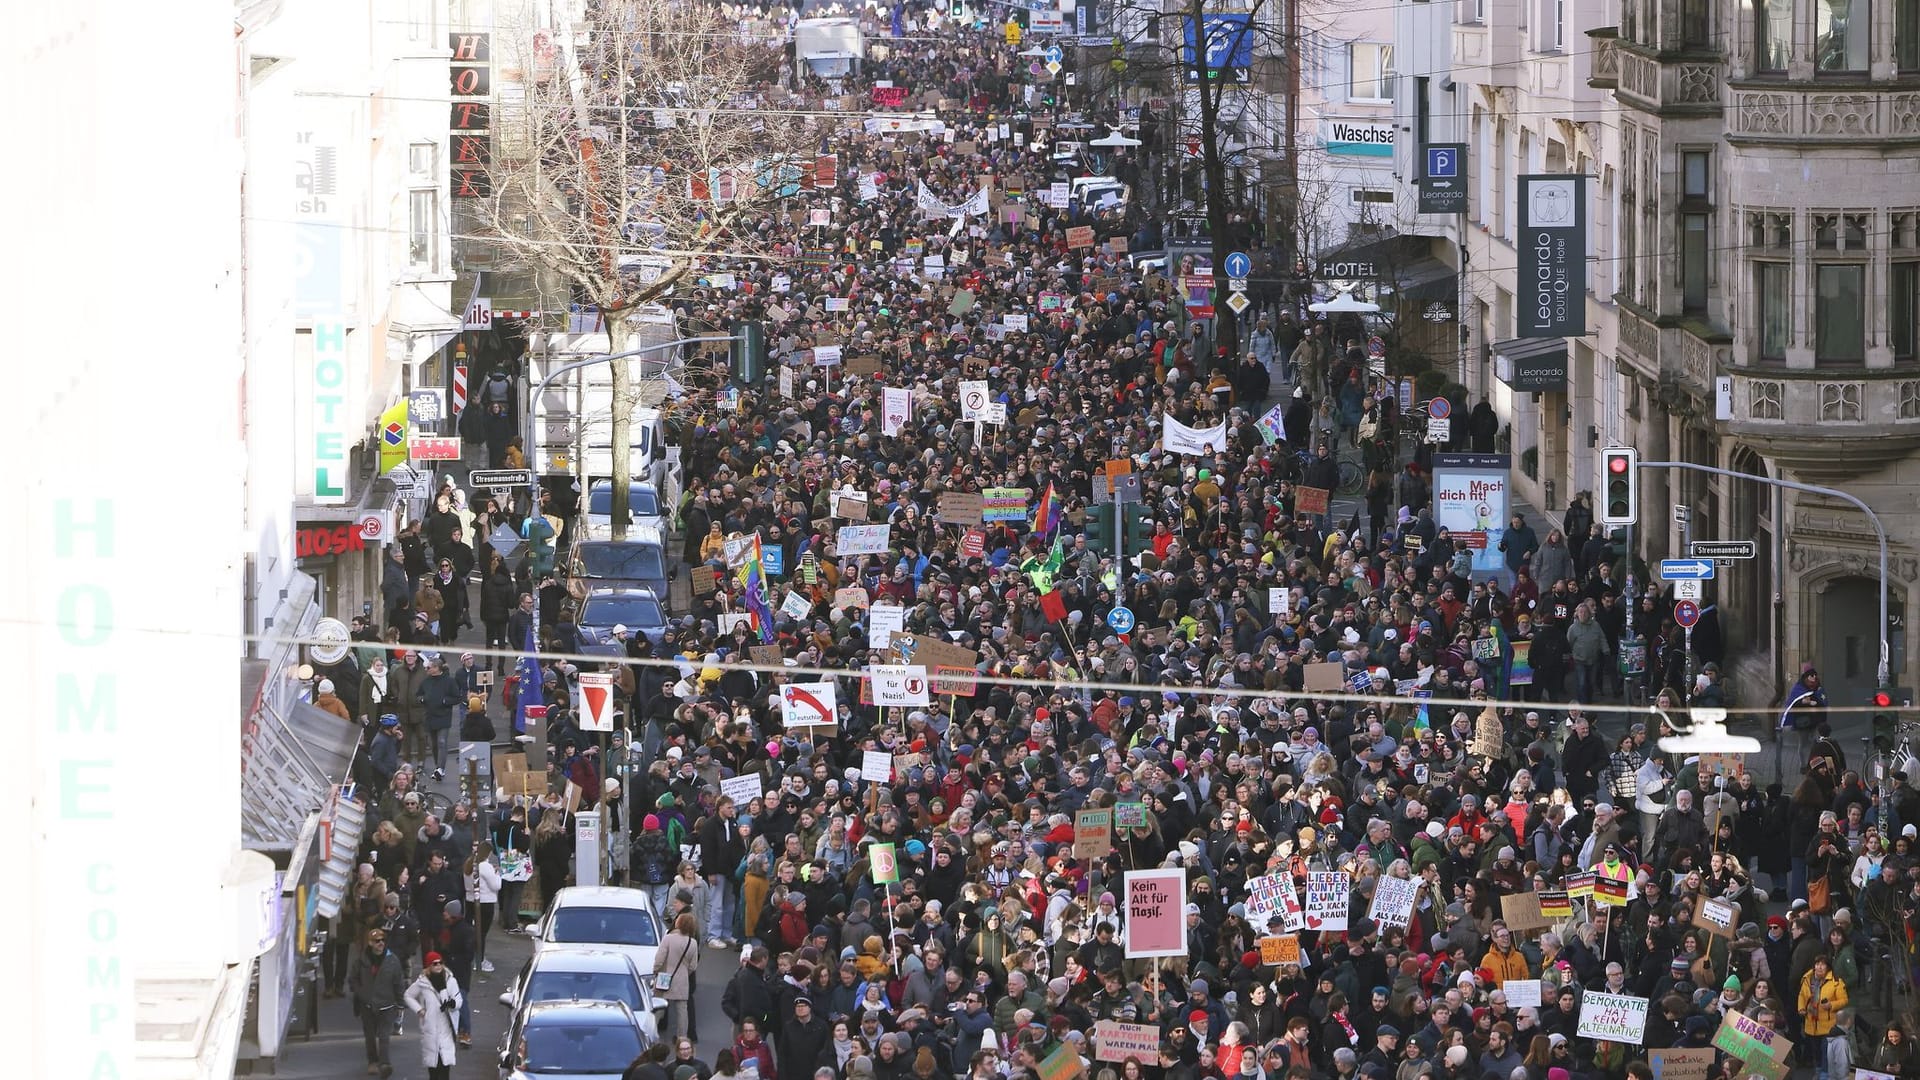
[(423, 322), (292, 754), (1531, 365)]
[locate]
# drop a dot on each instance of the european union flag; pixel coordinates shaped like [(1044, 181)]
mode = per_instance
[(527, 669)]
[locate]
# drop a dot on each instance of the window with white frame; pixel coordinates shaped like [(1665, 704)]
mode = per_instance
[(1370, 71), (423, 207), (423, 22)]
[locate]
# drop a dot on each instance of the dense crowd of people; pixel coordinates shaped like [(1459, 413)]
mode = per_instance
[(1299, 692)]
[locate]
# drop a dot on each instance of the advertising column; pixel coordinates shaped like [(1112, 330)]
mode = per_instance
[(1470, 501)]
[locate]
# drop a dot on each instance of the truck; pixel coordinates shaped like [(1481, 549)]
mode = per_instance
[(829, 48)]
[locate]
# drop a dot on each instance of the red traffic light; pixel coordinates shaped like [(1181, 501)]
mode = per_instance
[(1882, 699), (1617, 463)]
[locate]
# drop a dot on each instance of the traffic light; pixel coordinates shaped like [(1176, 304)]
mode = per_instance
[(747, 353), (957, 8), (1887, 701), (1620, 476)]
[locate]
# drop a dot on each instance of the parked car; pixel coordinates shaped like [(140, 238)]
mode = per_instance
[(586, 973), (606, 610), (584, 1040), (639, 562), (602, 917), (643, 511)]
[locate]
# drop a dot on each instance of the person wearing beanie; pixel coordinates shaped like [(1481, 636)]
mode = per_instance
[(652, 861), (436, 999)]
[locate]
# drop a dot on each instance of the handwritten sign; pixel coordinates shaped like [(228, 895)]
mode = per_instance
[(889, 97), (1749, 1040), (1130, 815), (1521, 993), (705, 580), (1284, 949), (1695, 1064), (1716, 917), (1080, 236), (1488, 736), (876, 765), (963, 508), (1274, 895), (851, 597), (851, 505), (1004, 504), (1522, 913), (1393, 900), (1311, 500), (1062, 1064), (1116, 1042), (1613, 1017), (861, 540), (742, 789), (1092, 833), (1327, 897), (1156, 912)]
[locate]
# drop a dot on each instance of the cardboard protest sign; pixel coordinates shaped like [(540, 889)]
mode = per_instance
[(1284, 949), (1489, 737), (1311, 500), (1716, 917), (1749, 1040), (1115, 1041), (960, 507), (764, 654), (1326, 678), (1080, 236), (705, 580), (1092, 833), (852, 597), (1522, 913), (1613, 1017), (870, 364), (1156, 903), (850, 505)]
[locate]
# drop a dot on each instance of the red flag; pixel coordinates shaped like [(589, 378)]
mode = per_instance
[(1052, 606)]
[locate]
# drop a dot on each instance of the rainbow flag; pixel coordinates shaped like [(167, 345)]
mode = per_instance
[(1046, 516), (752, 576)]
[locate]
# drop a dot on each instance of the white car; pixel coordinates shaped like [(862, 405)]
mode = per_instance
[(603, 917), (646, 519), (583, 973)]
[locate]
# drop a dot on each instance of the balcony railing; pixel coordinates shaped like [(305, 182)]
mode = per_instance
[(1649, 84), (1824, 115), (1605, 74)]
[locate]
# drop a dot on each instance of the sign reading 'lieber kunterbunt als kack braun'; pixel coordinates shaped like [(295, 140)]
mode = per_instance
[(1552, 290)]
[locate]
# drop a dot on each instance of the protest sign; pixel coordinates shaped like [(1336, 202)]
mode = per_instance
[(961, 508), (1311, 500), (1748, 1039), (1695, 1064), (877, 766), (1521, 992), (1130, 815), (1327, 900), (1062, 1064), (1716, 917), (1613, 1017), (861, 540), (1004, 504), (1115, 1041), (1522, 913), (808, 704), (1324, 678), (1555, 904), (884, 860), (1283, 949), (884, 621), (851, 505), (705, 580), (742, 789), (1274, 894), (1579, 886), (900, 685), (1393, 900), (1080, 236), (1156, 902), (1609, 891), (1489, 738), (1092, 833), (851, 597)]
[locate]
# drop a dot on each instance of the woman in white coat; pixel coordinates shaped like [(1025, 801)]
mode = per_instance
[(435, 998)]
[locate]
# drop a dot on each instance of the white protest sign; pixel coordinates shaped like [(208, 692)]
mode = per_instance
[(825, 355), (896, 408), (1613, 1017), (1521, 992), (742, 789), (797, 605), (836, 303), (1271, 895), (1327, 897), (973, 398), (876, 765), (808, 704), (860, 540), (883, 621), (1393, 901), (1014, 322), (901, 685)]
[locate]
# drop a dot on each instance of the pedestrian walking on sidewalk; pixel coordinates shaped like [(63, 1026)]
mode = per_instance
[(377, 984), (436, 1000)]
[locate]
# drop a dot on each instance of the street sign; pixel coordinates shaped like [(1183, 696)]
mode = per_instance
[(1120, 620), (434, 448), (1238, 302), (1238, 264), (499, 478), (1439, 429), (1685, 570), (1053, 67), (1689, 590), (1236, 284), (596, 701), (1443, 187), (1054, 54), (1440, 408), (1722, 549), (1686, 613), (1681, 515), (1376, 348)]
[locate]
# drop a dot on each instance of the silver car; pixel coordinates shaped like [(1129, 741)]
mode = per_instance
[(580, 1040), (583, 973)]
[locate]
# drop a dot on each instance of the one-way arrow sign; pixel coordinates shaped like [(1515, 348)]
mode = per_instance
[(1685, 570), (1722, 549)]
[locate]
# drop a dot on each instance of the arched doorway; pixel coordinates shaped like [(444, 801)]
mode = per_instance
[(1746, 588), (1849, 656)]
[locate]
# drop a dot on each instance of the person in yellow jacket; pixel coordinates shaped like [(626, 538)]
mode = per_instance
[(1822, 995), (1503, 962)]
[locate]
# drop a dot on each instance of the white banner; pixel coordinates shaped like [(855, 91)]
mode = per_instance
[(896, 408), (901, 685), (808, 704), (860, 540), (931, 205), (1178, 438)]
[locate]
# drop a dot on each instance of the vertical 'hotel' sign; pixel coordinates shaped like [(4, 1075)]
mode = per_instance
[(1552, 290), (469, 136)]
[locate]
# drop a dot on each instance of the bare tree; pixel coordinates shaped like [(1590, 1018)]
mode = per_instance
[(632, 156)]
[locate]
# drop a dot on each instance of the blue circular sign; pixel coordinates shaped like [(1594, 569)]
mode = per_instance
[(1054, 54), (1120, 620), (1239, 264)]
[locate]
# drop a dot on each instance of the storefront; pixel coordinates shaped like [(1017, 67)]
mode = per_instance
[(342, 548)]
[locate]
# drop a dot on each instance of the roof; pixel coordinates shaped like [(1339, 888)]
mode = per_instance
[(579, 1012), (562, 956), (604, 895)]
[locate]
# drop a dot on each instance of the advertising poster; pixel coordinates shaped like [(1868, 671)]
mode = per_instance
[(1156, 923), (1471, 500)]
